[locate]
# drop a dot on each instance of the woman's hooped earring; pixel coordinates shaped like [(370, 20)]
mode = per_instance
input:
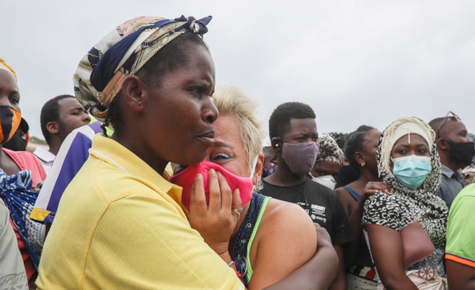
[(363, 164)]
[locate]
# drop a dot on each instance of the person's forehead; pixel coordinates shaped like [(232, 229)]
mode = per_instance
[(227, 131), (68, 103), (415, 140), (200, 64), (307, 125), (452, 126), (7, 78)]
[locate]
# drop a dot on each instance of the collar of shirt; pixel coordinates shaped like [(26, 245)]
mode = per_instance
[(112, 152), (457, 175), (44, 155)]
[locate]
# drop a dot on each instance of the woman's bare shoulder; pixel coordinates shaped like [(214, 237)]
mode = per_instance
[(285, 240), (285, 216)]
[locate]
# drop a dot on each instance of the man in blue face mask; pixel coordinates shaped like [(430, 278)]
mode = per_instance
[(456, 151), (293, 133)]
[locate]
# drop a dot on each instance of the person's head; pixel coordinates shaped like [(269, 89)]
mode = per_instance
[(360, 149), (407, 153), (10, 112), (59, 116), (340, 138), (239, 132), (237, 146), (293, 133), (329, 160), (453, 143), (159, 95)]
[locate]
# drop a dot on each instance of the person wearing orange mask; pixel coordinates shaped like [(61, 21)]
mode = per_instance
[(15, 163)]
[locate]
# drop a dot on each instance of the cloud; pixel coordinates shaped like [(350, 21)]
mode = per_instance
[(354, 62)]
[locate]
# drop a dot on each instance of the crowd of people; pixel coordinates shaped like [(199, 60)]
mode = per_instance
[(157, 178)]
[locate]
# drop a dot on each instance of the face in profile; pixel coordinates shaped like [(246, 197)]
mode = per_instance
[(178, 120), (454, 131), (71, 115), (370, 145)]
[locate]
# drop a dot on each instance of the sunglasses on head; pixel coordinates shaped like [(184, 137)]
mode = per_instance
[(455, 116)]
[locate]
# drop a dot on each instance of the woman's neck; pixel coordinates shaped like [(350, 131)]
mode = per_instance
[(142, 151), (365, 177)]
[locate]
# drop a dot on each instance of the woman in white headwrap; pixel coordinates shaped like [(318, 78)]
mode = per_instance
[(408, 161)]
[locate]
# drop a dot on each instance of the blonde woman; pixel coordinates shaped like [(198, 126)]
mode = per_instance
[(272, 238)]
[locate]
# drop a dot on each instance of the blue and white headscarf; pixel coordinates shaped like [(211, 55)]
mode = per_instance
[(124, 51)]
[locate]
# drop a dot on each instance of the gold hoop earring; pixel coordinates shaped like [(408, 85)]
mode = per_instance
[(363, 164)]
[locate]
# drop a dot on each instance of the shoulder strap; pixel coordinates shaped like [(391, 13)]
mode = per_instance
[(243, 236), (352, 192)]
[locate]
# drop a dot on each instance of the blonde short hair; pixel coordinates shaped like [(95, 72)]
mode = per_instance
[(231, 101)]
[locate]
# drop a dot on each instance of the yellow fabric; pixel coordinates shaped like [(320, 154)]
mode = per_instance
[(5, 66), (39, 214), (119, 225)]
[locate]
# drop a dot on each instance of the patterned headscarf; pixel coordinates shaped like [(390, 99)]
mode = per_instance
[(5, 66), (405, 205), (329, 150), (124, 51)]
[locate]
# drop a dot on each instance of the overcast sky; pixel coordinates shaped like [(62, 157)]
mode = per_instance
[(353, 62)]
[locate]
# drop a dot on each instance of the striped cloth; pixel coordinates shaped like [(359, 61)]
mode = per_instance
[(71, 156)]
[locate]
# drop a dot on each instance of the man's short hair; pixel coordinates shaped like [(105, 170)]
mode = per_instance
[(50, 113), (279, 122), (435, 124)]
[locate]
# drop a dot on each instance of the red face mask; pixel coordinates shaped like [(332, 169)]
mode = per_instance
[(187, 177), (10, 121)]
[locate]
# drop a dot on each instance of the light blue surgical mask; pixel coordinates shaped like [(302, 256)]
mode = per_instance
[(412, 170)]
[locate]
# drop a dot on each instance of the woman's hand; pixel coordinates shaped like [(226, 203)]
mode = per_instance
[(373, 187), (217, 221)]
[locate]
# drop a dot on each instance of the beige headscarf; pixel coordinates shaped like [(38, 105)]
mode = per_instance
[(400, 128)]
